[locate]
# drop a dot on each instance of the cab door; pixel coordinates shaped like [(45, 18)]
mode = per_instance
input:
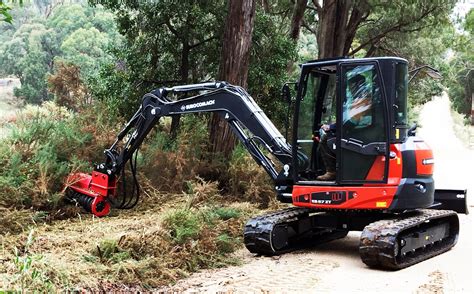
[(362, 145)]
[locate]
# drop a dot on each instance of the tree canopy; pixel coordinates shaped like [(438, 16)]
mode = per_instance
[(460, 72), (125, 48), (73, 34), (4, 11)]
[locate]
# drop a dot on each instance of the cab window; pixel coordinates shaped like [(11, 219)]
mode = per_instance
[(362, 107)]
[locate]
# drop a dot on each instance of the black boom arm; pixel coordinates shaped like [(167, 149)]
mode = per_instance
[(232, 103)]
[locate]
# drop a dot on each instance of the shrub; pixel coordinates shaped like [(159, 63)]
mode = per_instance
[(226, 213), (185, 240), (248, 180), (108, 251), (170, 165), (182, 224), (68, 88), (45, 145)]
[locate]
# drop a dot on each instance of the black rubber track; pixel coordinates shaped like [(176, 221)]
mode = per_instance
[(380, 241), (261, 232)]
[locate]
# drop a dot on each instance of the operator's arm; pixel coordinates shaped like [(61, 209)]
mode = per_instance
[(330, 127)]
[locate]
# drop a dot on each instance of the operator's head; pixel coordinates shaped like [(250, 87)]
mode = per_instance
[(358, 107), (356, 86)]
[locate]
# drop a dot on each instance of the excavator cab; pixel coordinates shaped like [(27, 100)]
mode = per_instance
[(364, 102)]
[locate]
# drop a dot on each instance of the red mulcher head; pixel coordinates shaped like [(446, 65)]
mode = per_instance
[(92, 191)]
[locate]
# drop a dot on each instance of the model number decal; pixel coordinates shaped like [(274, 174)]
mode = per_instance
[(331, 197), (326, 198), (316, 201)]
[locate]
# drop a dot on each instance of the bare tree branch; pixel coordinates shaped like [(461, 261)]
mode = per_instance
[(317, 6), (309, 28), (173, 30), (202, 42), (399, 26)]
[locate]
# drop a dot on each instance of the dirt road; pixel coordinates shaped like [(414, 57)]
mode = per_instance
[(336, 266), (9, 104)]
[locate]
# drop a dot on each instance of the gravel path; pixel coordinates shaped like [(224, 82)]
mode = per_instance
[(336, 267)]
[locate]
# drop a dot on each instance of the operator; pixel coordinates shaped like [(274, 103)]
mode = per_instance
[(356, 108)]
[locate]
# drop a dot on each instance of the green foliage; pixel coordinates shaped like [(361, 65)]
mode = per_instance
[(271, 52), (185, 240), (25, 57), (73, 33), (108, 251), (5, 12), (115, 87), (201, 225), (390, 21), (28, 273), (226, 213), (45, 145), (85, 48), (226, 243), (460, 77), (419, 31), (69, 18), (469, 22), (178, 44), (183, 225), (248, 180), (165, 45), (187, 223)]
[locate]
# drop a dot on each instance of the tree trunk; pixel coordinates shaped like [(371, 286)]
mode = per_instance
[(297, 18), (338, 23), (233, 67), (331, 29), (184, 72)]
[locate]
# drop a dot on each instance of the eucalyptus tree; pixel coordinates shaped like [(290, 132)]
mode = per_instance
[(461, 70)]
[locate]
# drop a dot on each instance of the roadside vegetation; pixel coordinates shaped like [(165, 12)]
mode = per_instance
[(83, 70), (463, 129)]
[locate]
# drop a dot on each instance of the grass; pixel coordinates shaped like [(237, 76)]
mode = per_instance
[(140, 249)]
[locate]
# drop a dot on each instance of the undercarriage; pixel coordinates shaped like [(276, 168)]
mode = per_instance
[(388, 240)]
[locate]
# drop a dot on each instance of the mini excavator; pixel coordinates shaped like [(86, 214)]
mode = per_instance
[(383, 185)]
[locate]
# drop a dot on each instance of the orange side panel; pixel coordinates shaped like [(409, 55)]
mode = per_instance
[(360, 197), (424, 159), (394, 167), (376, 172), (368, 196)]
